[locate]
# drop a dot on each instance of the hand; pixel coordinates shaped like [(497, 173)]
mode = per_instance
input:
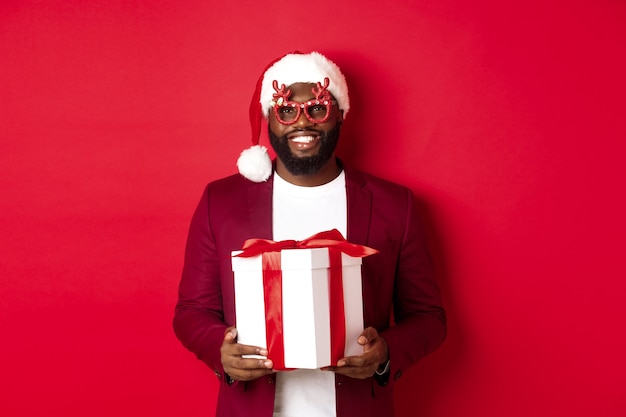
[(243, 369), (375, 353)]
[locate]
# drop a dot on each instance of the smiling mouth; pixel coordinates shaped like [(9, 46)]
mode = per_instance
[(303, 139)]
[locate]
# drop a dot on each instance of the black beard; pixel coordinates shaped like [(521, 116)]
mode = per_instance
[(305, 165)]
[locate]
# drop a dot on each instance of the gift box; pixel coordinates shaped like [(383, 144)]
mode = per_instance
[(304, 304)]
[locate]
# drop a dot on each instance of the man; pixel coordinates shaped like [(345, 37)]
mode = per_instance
[(304, 98)]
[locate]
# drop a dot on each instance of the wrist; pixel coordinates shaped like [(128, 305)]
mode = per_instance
[(383, 368)]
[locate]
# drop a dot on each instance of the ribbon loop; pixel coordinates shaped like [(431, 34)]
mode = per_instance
[(326, 239)]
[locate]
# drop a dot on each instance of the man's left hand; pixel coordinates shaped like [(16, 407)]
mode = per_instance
[(375, 353)]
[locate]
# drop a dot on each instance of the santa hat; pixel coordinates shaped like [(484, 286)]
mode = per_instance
[(254, 163)]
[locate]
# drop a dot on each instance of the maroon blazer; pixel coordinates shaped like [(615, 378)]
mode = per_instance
[(381, 215)]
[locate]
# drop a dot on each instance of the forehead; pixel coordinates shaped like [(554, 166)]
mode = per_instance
[(302, 90)]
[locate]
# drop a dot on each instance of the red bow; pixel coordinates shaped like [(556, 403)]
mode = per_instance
[(331, 238)]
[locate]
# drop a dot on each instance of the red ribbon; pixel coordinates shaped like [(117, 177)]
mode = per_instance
[(272, 284)]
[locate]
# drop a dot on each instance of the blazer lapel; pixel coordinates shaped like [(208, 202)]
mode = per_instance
[(260, 208), (359, 207)]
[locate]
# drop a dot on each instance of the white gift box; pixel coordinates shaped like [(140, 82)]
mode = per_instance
[(305, 305)]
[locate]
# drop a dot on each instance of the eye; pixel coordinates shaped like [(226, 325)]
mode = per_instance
[(319, 109), (286, 110)]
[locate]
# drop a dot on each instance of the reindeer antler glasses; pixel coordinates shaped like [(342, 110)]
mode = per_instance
[(316, 110)]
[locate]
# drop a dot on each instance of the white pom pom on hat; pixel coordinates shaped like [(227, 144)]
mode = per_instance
[(254, 163)]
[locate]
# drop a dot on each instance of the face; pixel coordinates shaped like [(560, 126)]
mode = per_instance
[(305, 147)]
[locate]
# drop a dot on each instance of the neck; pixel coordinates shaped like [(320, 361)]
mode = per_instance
[(326, 174)]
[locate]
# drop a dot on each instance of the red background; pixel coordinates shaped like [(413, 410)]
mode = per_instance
[(506, 120)]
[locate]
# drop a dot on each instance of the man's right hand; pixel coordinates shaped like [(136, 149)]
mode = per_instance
[(243, 369)]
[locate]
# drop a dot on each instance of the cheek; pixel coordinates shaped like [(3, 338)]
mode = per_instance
[(336, 117), (275, 126), (334, 120)]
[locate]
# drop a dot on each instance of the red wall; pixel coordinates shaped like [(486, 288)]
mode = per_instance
[(507, 122)]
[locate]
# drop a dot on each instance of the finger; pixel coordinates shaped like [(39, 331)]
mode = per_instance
[(367, 335), (247, 369), (352, 371), (230, 334), (247, 374), (358, 361), (250, 363), (237, 349)]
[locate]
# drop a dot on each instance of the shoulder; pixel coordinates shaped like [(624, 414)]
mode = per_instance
[(377, 185), (235, 180), (237, 208), (234, 184)]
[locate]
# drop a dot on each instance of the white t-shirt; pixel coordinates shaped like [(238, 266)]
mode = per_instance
[(299, 212)]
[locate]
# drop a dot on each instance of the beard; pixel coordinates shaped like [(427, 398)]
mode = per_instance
[(305, 165)]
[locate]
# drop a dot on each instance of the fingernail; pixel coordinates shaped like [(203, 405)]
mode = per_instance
[(263, 352), (341, 363), (268, 364)]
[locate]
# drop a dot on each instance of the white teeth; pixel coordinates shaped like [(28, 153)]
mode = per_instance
[(303, 139)]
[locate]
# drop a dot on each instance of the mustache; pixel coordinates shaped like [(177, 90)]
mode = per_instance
[(300, 129)]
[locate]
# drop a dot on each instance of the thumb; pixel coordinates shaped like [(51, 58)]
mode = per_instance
[(367, 336), (230, 334)]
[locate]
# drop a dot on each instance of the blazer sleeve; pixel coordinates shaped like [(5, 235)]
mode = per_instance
[(420, 320), (198, 319)]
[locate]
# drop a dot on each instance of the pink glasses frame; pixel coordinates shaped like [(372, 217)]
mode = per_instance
[(281, 99)]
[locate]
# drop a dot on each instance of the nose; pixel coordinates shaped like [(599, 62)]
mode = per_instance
[(302, 120)]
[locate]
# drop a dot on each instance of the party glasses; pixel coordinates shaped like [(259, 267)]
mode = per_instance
[(316, 110)]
